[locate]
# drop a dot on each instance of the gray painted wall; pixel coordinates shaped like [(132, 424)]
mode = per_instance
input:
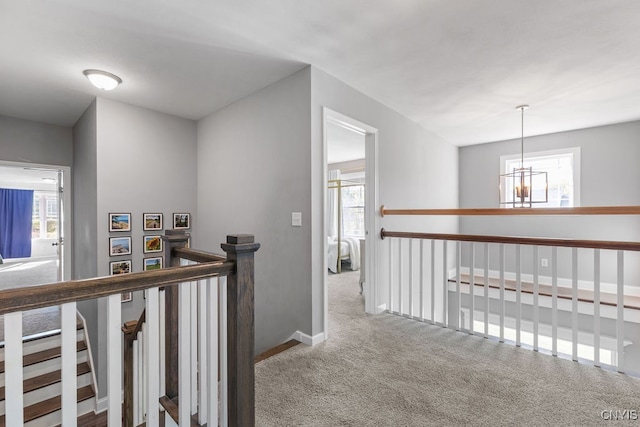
[(416, 168), (134, 160), (85, 206), (610, 177), (33, 142), (253, 171)]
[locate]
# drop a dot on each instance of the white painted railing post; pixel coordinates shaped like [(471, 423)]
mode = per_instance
[(445, 285), (224, 372), (152, 362), (620, 313), (502, 306), (13, 377), (518, 296), (184, 354), (400, 266), (554, 301), (459, 324), (211, 343), (69, 371), (486, 290), (472, 284), (574, 304), (596, 307), (422, 280), (203, 365), (536, 293), (114, 361), (433, 282)]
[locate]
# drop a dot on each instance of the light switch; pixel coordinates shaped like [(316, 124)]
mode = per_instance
[(296, 219)]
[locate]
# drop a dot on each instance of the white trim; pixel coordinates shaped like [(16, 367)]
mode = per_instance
[(371, 213), (67, 247), (308, 339), (90, 355)]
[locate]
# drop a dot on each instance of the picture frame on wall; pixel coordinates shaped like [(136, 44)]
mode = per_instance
[(120, 267), (152, 244), (119, 246), (152, 221), (119, 222), (154, 263), (181, 221), (126, 296)]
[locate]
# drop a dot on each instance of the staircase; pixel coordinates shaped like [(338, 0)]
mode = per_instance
[(42, 376)]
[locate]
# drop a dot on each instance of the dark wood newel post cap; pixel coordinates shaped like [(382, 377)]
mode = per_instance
[(240, 243)]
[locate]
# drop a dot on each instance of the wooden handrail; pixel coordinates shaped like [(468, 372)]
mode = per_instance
[(584, 210), (196, 255), (512, 240), (32, 297)]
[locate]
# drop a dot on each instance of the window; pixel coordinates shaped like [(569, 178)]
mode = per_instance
[(45, 215), (353, 204), (563, 174)]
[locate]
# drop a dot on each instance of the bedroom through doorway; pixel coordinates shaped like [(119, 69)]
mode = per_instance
[(350, 217)]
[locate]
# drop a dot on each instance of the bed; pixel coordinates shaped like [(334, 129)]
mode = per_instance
[(349, 250)]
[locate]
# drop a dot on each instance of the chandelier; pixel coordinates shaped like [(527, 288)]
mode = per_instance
[(522, 187)]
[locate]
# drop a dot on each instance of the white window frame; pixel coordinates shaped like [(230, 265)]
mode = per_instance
[(575, 153)]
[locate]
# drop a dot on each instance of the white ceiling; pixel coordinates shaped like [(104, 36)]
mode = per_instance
[(457, 67)]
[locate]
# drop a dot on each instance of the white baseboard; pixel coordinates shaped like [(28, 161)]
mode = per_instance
[(308, 339)]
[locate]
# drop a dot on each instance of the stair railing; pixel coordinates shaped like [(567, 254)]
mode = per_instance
[(234, 275)]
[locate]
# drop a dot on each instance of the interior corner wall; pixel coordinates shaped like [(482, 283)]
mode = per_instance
[(27, 141), (416, 169), (610, 176), (253, 172), (84, 206), (145, 163)]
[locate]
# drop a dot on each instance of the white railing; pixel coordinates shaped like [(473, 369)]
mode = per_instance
[(446, 279)]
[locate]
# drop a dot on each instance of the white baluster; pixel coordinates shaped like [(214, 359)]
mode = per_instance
[(518, 296), (433, 282), (390, 307), (224, 378), (596, 307), (501, 292), (536, 291), (138, 414), (411, 278), (554, 301), (445, 287), (458, 295), (162, 343), (193, 310), (114, 361), (211, 341), (400, 266), (620, 312), (13, 378), (472, 284), (69, 371), (203, 332), (152, 362), (422, 280), (574, 304), (486, 290)]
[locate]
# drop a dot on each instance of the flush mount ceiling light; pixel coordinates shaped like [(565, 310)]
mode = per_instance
[(102, 79), (523, 186)]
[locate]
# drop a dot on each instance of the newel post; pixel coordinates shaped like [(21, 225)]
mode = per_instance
[(240, 326), (172, 239)]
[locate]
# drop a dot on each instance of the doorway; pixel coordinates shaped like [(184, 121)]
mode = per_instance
[(34, 224), (350, 169)]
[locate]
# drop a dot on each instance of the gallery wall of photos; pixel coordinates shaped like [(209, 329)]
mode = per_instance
[(121, 245)]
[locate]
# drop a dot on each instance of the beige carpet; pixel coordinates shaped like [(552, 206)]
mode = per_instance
[(388, 371)]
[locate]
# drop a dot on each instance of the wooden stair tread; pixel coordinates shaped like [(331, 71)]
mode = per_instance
[(631, 302), (51, 405), (172, 408), (44, 355), (47, 379)]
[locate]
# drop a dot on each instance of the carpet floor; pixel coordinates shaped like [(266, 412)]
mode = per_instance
[(384, 370)]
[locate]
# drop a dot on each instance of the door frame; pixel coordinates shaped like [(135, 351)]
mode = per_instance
[(371, 293), (66, 248)]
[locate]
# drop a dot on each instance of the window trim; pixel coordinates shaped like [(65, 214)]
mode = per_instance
[(574, 151)]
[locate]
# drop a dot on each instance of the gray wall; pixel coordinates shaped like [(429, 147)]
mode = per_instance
[(34, 142), (610, 177), (85, 206), (253, 171), (416, 168), (128, 159)]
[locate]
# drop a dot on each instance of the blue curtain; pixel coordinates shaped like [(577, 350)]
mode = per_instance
[(16, 208)]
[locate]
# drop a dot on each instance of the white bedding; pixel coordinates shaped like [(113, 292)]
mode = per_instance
[(349, 248)]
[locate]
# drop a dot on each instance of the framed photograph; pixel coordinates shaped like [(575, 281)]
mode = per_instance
[(152, 263), (119, 246), (120, 267), (181, 221), (126, 296), (152, 244), (152, 221), (119, 222)]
